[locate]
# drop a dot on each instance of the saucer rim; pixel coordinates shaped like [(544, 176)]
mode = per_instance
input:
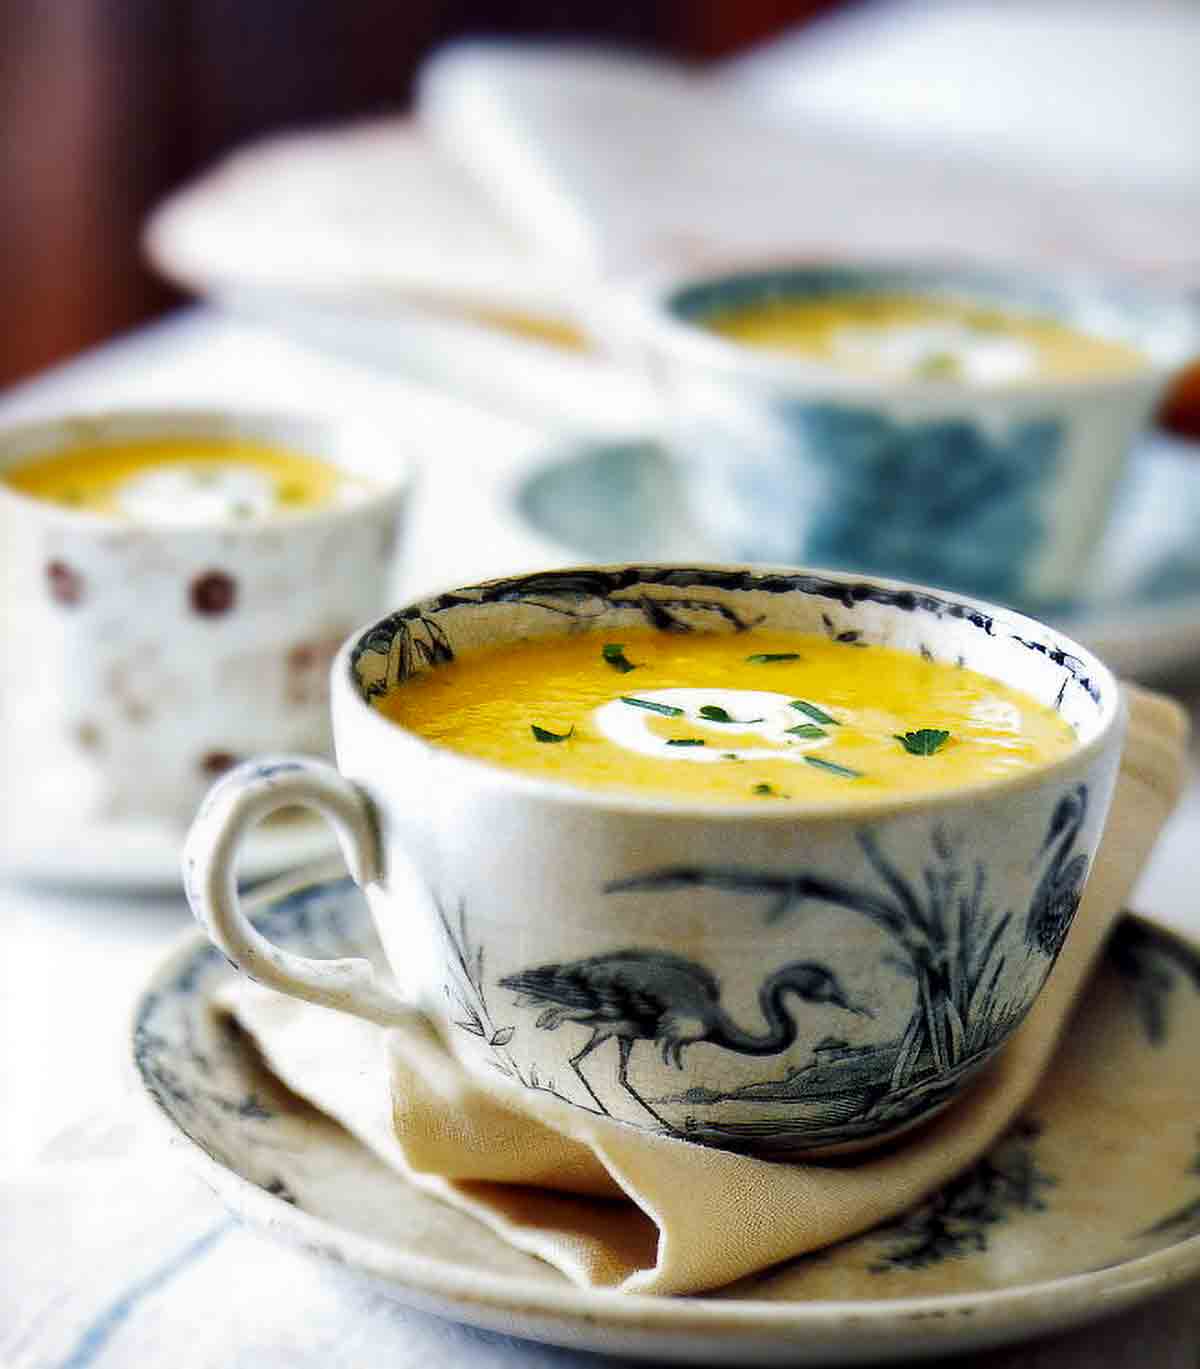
[(844, 1331)]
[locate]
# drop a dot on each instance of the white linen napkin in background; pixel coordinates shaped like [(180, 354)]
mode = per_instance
[(534, 173), (620, 164), (366, 214), (892, 130)]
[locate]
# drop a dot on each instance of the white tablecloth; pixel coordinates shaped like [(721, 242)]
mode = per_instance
[(94, 1273)]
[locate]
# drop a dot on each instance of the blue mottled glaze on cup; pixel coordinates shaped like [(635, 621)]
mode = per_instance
[(996, 490)]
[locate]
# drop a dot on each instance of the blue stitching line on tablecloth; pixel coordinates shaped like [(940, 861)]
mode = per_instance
[(101, 1331)]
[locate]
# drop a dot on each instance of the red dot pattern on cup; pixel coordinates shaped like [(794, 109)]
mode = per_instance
[(213, 593), (66, 584), (216, 763)]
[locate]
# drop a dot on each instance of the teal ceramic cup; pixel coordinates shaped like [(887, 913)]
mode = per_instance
[(991, 482)]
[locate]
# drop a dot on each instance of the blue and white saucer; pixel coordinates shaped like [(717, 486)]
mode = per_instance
[(1140, 610), (1088, 1205)]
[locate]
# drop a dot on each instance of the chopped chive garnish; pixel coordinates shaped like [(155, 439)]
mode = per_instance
[(818, 715), (614, 654), (763, 789), (716, 714), (685, 741), (772, 657), (543, 734), (667, 710), (730, 756), (809, 731), (924, 741), (833, 768)]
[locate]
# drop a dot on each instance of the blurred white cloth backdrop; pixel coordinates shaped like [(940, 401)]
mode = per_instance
[(1080, 90), (1011, 131), (1054, 132)]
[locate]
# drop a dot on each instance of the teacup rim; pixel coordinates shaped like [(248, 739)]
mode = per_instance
[(1110, 726), (397, 485), (644, 305)]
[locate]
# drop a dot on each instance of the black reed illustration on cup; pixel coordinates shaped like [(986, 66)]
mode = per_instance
[(469, 991), (947, 936)]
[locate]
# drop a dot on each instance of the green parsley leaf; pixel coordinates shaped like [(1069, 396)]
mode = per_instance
[(939, 366), (809, 731), (772, 657), (542, 734), (685, 741), (924, 741), (818, 715), (667, 710), (716, 714), (614, 654), (833, 768)]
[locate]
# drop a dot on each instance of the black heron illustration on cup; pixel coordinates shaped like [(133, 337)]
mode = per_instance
[(643, 995)]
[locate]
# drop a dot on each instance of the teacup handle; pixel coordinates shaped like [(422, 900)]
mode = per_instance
[(237, 803)]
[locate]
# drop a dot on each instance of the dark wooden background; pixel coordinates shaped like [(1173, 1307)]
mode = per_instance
[(105, 105)]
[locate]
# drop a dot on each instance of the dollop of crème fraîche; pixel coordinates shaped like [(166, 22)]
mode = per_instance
[(731, 717)]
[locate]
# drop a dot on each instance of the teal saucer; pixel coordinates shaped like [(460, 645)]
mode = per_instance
[(1140, 609)]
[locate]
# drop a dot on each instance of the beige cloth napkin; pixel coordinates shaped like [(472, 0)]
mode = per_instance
[(614, 1207)]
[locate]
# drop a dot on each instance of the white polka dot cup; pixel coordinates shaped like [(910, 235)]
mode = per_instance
[(146, 651), (789, 979)]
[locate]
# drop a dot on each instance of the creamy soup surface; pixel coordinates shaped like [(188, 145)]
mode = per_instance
[(186, 481), (910, 337), (753, 717)]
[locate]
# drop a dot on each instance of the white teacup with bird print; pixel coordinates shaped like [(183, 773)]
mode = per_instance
[(782, 979)]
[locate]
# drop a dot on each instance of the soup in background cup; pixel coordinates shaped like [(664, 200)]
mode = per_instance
[(962, 427), (779, 975), (175, 585)]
